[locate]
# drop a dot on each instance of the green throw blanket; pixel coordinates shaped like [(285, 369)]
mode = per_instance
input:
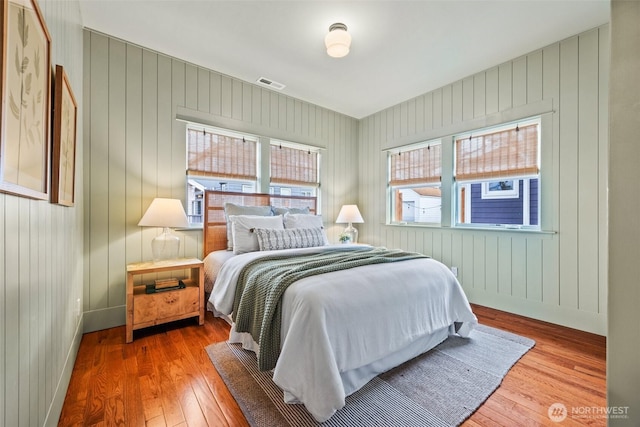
[(262, 283)]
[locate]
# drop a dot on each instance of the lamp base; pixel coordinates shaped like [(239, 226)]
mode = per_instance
[(352, 232), (165, 246)]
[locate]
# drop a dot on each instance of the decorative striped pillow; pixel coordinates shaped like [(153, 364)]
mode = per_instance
[(272, 239)]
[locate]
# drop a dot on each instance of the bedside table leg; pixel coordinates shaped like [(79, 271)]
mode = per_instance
[(129, 312), (200, 277)]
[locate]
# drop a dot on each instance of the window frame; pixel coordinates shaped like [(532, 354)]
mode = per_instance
[(546, 201), (222, 181), (246, 138), (510, 193), (411, 183), (291, 188), (460, 207), (263, 168)]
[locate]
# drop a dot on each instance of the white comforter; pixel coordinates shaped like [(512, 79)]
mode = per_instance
[(341, 329)]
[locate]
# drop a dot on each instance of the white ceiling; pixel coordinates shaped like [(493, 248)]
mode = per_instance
[(400, 48)]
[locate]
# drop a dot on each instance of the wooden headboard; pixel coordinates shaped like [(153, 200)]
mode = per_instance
[(215, 223)]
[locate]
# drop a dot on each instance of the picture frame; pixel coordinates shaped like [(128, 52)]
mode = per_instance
[(63, 165), (25, 90)]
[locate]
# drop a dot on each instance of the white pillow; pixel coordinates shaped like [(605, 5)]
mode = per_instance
[(282, 211), (244, 239), (305, 221), (271, 239), (233, 209), (298, 220)]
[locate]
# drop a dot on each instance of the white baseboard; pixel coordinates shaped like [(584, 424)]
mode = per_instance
[(595, 323), (55, 409), (111, 317)]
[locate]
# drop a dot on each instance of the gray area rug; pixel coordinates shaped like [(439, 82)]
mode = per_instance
[(442, 387)]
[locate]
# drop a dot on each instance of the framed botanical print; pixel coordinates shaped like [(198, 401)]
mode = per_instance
[(25, 90), (63, 165)]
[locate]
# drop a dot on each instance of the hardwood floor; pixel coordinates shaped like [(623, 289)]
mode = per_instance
[(165, 378)]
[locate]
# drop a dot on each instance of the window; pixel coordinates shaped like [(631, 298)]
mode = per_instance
[(219, 160), (294, 169), (497, 176), (414, 181)]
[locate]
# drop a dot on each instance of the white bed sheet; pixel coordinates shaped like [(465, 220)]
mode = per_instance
[(341, 329)]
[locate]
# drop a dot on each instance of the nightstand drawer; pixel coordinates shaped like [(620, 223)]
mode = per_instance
[(161, 306)]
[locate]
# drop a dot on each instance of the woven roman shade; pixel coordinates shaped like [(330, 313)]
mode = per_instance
[(221, 156), (508, 153), (294, 166), (418, 166)]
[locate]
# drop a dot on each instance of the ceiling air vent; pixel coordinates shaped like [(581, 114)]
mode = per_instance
[(270, 83)]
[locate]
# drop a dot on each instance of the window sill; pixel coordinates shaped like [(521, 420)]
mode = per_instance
[(191, 227), (466, 228)]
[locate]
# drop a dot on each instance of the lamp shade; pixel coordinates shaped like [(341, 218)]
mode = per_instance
[(164, 213), (337, 41), (349, 214)]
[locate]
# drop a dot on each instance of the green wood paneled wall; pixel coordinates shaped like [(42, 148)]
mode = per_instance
[(136, 152), (41, 269), (555, 277), (136, 101), (131, 149), (623, 339)]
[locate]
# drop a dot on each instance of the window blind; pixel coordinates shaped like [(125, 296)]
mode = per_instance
[(211, 154), (508, 153), (294, 166), (418, 166)]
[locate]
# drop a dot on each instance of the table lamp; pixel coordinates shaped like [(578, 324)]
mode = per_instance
[(166, 213), (350, 214)]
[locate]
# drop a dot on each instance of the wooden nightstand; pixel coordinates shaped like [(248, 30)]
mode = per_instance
[(144, 310)]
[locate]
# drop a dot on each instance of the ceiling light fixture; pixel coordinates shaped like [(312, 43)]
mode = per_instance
[(337, 40)]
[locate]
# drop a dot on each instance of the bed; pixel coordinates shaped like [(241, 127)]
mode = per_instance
[(338, 328)]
